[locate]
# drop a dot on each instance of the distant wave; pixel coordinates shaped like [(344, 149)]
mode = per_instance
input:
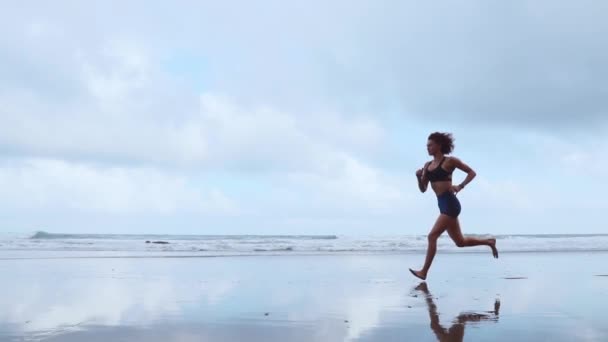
[(216, 245), (46, 235)]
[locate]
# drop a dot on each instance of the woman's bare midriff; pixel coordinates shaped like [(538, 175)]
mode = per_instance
[(441, 186)]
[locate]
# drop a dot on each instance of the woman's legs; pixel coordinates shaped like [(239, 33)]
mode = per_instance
[(451, 224), (440, 226), (462, 241)]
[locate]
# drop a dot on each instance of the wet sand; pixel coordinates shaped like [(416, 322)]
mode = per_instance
[(467, 297)]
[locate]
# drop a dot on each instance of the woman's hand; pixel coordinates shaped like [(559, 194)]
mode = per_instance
[(456, 188), (421, 174), (422, 181)]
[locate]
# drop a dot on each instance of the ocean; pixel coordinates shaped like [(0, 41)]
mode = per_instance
[(44, 244)]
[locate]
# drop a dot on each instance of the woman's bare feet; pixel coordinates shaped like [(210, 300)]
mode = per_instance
[(418, 274), (493, 246)]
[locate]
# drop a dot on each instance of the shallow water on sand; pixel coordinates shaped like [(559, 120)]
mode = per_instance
[(468, 297)]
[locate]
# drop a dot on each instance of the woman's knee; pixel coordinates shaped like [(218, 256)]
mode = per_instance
[(432, 237), (458, 239)]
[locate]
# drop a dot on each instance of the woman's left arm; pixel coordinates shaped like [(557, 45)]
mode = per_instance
[(459, 164)]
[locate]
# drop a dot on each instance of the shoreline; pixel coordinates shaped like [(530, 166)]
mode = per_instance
[(184, 255)]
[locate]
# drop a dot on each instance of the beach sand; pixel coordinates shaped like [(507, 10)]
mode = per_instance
[(467, 297)]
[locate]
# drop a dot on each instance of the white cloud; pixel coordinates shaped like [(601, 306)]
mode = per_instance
[(46, 184), (504, 193), (279, 140), (120, 70), (348, 183), (324, 158)]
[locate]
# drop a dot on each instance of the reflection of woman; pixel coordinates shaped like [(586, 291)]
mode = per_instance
[(456, 332), (439, 173)]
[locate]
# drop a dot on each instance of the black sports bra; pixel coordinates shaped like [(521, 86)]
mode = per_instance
[(438, 174)]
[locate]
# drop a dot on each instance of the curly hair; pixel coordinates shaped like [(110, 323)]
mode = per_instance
[(445, 140)]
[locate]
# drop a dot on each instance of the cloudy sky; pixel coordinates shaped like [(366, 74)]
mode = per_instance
[(301, 117)]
